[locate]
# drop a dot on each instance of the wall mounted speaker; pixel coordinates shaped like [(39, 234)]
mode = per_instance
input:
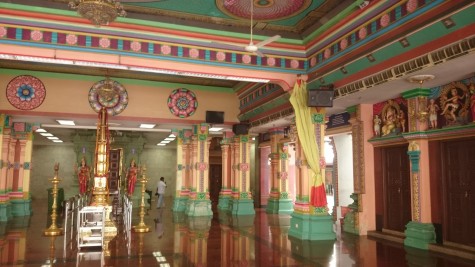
[(320, 98), (214, 117), (240, 129)]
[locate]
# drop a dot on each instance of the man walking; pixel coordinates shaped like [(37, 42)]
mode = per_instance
[(161, 192)]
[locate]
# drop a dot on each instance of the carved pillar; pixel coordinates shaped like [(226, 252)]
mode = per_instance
[(420, 232), (308, 222), (181, 191), (417, 103), (225, 193), (302, 170), (242, 202), (199, 203), (279, 201), (363, 207), (5, 206)]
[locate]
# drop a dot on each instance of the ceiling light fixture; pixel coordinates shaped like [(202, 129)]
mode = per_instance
[(165, 142), (46, 134), (99, 12), (66, 122), (215, 129), (58, 141), (169, 139), (160, 144), (147, 126), (52, 138), (39, 130)]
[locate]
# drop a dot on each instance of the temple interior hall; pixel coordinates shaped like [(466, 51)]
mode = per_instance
[(237, 133)]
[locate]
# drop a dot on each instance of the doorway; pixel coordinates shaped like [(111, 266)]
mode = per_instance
[(458, 169), (396, 187)]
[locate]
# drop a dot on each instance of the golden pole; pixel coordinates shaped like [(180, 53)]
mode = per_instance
[(142, 227), (53, 230)]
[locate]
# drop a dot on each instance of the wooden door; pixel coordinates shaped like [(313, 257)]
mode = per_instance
[(396, 188), (458, 168), (114, 170)]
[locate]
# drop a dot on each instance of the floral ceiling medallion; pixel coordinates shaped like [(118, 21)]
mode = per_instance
[(182, 102), (109, 94), (264, 10), (26, 92)]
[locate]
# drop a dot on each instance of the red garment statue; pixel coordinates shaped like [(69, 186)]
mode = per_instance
[(83, 176), (132, 177)]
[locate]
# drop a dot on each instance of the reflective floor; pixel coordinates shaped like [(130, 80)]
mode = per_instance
[(175, 240)]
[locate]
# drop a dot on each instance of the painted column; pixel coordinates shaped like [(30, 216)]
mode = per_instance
[(302, 172), (19, 196), (199, 203), (225, 193), (242, 202), (420, 231), (279, 201), (5, 206), (362, 214), (307, 221), (181, 191)]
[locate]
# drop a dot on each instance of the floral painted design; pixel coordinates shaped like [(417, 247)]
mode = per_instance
[(221, 56), (246, 59), (26, 92), (294, 63), (411, 6), (3, 32), (343, 43), (384, 20), (362, 33), (71, 39), (165, 49), (136, 46), (327, 53), (313, 61), (271, 61), (182, 102), (36, 35), (104, 42), (114, 105), (194, 53)]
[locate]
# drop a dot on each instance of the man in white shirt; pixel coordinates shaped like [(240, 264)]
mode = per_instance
[(161, 192)]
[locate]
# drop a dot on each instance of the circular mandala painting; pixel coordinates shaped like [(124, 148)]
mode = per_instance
[(182, 102), (26, 92), (114, 102)]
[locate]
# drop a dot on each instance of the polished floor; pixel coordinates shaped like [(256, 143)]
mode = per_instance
[(223, 240)]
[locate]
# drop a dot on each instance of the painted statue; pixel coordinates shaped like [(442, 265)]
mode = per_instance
[(389, 116), (401, 117), (83, 176), (433, 109), (451, 105), (472, 100), (132, 172), (377, 125)]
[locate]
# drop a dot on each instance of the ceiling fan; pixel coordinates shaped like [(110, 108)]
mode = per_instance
[(251, 47)]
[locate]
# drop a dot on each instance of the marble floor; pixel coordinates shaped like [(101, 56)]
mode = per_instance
[(220, 240)]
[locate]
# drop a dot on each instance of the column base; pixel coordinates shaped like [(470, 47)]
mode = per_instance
[(242, 207), (224, 203), (200, 207), (179, 204), (311, 227), (349, 223), (279, 206), (5, 211), (419, 235), (21, 207)]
